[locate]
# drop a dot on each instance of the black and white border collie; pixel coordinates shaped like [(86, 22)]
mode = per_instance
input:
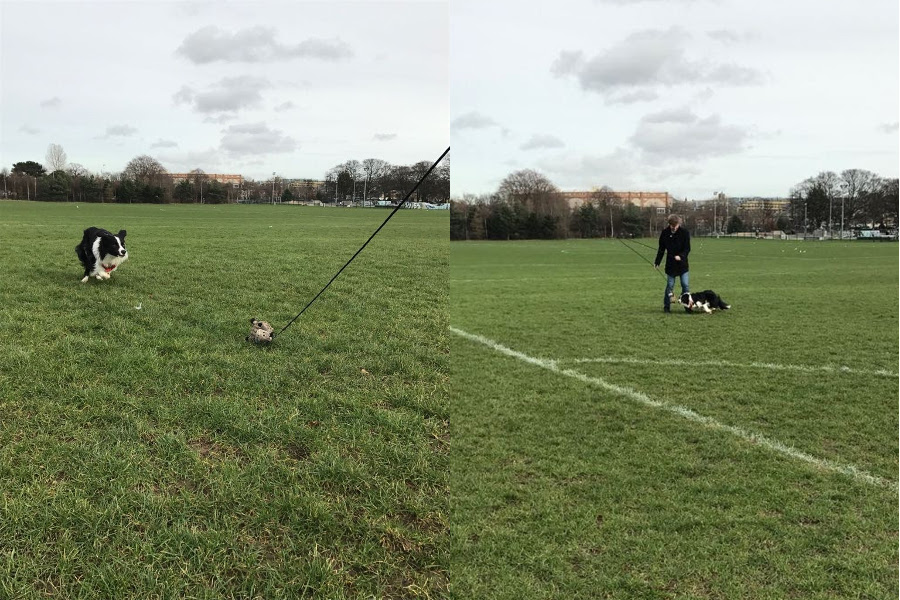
[(707, 301), (101, 252)]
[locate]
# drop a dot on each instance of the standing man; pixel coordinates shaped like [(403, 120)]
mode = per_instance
[(675, 243)]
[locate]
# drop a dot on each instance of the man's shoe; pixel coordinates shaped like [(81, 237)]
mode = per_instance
[(666, 309)]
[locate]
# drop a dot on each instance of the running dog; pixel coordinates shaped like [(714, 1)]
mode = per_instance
[(707, 301), (101, 252)]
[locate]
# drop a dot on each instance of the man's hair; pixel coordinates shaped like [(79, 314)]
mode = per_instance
[(674, 220)]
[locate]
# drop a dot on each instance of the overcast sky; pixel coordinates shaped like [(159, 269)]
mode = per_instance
[(249, 87), (686, 96)]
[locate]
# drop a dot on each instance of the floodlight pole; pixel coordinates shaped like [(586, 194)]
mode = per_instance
[(842, 217), (273, 188)]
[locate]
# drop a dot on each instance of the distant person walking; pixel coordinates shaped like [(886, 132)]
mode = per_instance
[(675, 243)]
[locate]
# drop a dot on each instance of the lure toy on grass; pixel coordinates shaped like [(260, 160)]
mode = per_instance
[(259, 334)]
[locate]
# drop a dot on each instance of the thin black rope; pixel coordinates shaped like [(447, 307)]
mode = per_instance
[(396, 208), (641, 255), (644, 245)]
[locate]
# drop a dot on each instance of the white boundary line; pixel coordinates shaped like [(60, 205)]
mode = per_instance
[(732, 365), (684, 412)]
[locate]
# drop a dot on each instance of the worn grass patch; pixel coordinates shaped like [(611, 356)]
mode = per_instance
[(564, 489), (148, 451)]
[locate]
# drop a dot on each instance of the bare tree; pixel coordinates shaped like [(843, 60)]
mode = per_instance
[(77, 170), (856, 186), (374, 169), (355, 169), (527, 186), (145, 169), (56, 157)]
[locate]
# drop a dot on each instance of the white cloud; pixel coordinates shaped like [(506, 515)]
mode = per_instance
[(53, 102), (160, 143), (384, 137)]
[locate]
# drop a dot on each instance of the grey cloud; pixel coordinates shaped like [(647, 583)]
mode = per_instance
[(727, 36), (539, 141), (615, 169), (183, 96), (632, 97), (53, 102), (633, 2), (29, 130), (675, 115), (208, 160), (120, 131), (284, 106), (255, 44), (334, 49), (734, 75), (254, 139), (889, 127), (164, 144), (680, 134), (644, 57), (230, 94), (628, 71), (220, 119), (568, 61), (384, 137), (473, 120)]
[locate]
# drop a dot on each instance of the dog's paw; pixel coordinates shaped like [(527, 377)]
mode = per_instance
[(86, 277)]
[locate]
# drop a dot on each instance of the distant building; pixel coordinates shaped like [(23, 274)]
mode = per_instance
[(305, 187), (233, 180), (772, 205), (661, 201)]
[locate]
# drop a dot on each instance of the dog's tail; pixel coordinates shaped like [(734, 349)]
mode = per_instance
[(723, 305)]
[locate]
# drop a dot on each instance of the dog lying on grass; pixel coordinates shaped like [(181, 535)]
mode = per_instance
[(707, 301)]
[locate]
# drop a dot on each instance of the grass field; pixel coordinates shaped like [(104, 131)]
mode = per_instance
[(604, 449), (148, 451)]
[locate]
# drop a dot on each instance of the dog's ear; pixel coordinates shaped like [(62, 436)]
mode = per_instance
[(121, 235)]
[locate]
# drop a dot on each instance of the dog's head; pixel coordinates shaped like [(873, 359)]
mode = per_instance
[(113, 245), (686, 300)]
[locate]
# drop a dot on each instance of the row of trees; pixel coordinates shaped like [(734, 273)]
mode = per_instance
[(853, 198), (373, 178), (144, 179), (527, 205)]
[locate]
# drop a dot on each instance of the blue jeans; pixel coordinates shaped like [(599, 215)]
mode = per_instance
[(670, 286)]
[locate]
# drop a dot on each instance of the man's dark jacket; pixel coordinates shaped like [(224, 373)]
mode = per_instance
[(672, 244)]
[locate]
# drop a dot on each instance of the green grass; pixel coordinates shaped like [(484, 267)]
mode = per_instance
[(153, 453), (562, 488)]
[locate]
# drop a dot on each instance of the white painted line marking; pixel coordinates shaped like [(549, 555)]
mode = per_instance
[(684, 412), (727, 364)]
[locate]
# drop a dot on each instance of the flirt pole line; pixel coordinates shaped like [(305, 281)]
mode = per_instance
[(402, 202), (641, 255)]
